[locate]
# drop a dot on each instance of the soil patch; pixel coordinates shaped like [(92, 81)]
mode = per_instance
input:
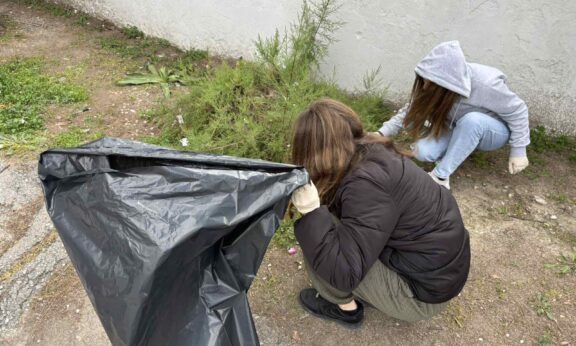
[(19, 222)]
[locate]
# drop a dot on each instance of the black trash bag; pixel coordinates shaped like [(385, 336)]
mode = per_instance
[(166, 243)]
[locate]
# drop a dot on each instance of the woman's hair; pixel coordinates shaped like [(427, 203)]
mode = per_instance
[(430, 103), (328, 141)]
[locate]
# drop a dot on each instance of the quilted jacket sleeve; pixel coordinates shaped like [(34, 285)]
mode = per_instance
[(341, 251)]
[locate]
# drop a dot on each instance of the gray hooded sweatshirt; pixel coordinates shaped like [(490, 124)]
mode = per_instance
[(483, 89)]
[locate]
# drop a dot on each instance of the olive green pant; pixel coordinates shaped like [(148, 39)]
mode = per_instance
[(385, 290)]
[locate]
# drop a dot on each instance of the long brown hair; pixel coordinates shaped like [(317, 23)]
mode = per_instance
[(430, 103), (328, 141)]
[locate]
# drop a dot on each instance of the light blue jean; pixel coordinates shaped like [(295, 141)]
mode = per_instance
[(473, 131)]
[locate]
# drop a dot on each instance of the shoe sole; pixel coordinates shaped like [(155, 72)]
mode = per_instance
[(342, 323)]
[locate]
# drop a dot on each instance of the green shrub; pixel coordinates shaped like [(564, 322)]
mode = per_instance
[(25, 91), (248, 109)]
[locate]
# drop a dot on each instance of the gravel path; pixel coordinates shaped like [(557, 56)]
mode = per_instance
[(27, 264)]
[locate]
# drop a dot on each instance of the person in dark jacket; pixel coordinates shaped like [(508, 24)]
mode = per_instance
[(375, 228)]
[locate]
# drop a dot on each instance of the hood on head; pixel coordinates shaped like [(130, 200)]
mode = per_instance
[(446, 66)]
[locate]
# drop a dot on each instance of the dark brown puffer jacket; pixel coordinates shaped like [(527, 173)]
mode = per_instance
[(389, 209)]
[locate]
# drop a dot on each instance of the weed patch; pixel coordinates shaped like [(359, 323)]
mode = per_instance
[(25, 91), (565, 265), (541, 305), (135, 47), (543, 141), (194, 55), (132, 32), (284, 236), (58, 10)]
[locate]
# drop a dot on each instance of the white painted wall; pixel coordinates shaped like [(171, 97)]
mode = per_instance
[(532, 41)]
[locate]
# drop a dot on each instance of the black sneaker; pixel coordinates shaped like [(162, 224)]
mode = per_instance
[(312, 302)]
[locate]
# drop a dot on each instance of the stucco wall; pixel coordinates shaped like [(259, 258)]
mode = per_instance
[(532, 41)]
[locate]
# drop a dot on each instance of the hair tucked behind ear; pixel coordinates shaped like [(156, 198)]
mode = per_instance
[(328, 141)]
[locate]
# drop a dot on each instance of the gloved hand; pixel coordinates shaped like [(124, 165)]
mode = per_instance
[(306, 198), (517, 164)]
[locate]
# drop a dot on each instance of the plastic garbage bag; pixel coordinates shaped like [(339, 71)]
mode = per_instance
[(166, 243)]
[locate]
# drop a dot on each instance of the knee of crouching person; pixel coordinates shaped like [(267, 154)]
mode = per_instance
[(423, 152)]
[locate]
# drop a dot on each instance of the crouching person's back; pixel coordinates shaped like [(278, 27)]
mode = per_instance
[(376, 229)]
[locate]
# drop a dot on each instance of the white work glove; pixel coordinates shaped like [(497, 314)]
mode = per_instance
[(517, 164), (306, 198)]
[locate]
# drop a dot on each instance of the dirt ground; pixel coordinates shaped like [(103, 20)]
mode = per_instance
[(517, 225)]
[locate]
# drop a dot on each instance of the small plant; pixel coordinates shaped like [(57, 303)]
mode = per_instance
[(82, 19), (544, 340), (372, 82), (542, 306), (132, 32), (566, 264), (501, 291), (161, 76)]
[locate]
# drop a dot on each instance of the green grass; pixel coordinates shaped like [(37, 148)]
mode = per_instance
[(134, 44), (544, 141), (134, 48), (25, 91), (82, 19), (132, 32), (195, 55), (482, 159), (21, 143), (58, 10), (74, 137)]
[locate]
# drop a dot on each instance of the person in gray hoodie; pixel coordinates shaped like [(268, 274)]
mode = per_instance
[(457, 107)]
